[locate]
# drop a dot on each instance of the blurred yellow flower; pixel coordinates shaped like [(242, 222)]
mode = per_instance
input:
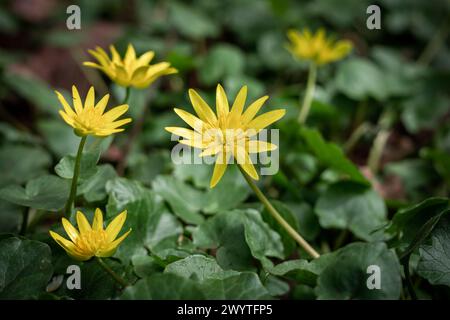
[(226, 134), (91, 119), (89, 241), (131, 71), (317, 47)]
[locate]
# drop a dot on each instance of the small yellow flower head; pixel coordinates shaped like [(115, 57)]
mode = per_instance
[(91, 119), (89, 241), (316, 47), (130, 71), (227, 133)]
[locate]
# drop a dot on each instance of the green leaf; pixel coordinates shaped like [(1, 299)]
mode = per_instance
[(96, 284), (238, 235), (198, 268), (361, 79), (289, 244), (88, 166), (416, 113), (191, 22), (225, 232), (331, 155), (262, 241), (46, 193), (93, 189), (434, 263), (164, 286), (20, 163), (228, 194), (407, 222), (36, 91), (346, 276), (216, 283), (58, 136), (150, 222), (301, 270), (350, 205), (123, 191), (222, 60), (243, 286), (184, 200), (25, 268)]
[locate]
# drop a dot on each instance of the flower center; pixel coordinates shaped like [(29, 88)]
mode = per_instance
[(91, 241)]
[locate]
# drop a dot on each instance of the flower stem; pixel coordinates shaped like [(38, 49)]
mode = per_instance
[(376, 151), (135, 131), (127, 95), (310, 87), (76, 172), (114, 275), (276, 215)]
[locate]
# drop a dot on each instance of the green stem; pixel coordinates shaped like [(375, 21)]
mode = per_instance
[(310, 87), (276, 215), (114, 275), (134, 134), (76, 172), (435, 44), (409, 285), (384, 124), (127, 95), (356, 135), (25, 216)]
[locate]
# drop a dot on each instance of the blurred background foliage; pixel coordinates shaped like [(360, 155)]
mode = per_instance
[(386, 106)]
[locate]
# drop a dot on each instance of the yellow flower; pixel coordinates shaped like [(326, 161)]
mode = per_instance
[(91, 119), (316, 47), (129, 71), (228, 134), (89, 241)]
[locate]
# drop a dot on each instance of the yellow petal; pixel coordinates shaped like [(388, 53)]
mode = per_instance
[(219, 170), (244, 161), (90, 99), (183, 132), (256, 146), (92, 65), (145, 58), (69, 247), (239, 102), (130, 55), (70, 230), (119, 123), (253, 109), (194, 122), (211, 151), (266, 119), (116, 112), (114, 227), (77, 104), (101, 105), (111, 248), (202, 109), (97, 224), (82, 223), (115, 55), (100, 58), (65, 105), (222, 106), (66, 118)]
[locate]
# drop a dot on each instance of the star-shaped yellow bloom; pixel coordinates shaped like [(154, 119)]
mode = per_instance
[(131, 71), (89, 241), (317, 47), (227, 134), (91, 119)]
